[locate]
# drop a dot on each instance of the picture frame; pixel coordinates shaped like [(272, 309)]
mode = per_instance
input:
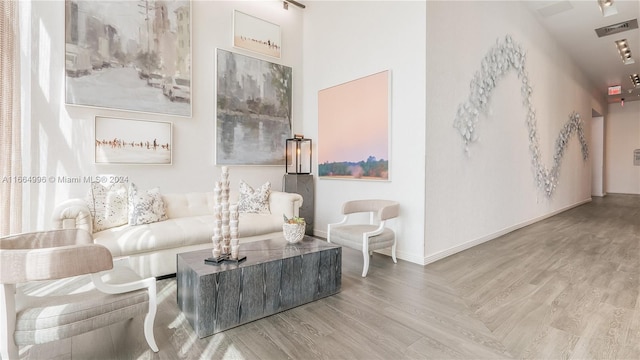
[(130, 141), (253, 110), (354, 119), (256, 35), (119, 55)]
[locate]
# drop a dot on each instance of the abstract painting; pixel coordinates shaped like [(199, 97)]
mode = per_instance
[(125, 141), (353, 129), (253, 110), (257, 35), (129, 55)]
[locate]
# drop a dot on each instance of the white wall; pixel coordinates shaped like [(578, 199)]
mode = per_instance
[(347, 40), (60, 138), (622, 137), (596, 152), (472, 199)]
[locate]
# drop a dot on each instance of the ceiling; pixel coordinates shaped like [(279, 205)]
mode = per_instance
[(573, 24)]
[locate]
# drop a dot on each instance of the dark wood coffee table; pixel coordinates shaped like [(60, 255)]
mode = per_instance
[(276, 276)]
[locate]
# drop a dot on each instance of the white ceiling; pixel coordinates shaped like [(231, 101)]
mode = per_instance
[(573, 24)]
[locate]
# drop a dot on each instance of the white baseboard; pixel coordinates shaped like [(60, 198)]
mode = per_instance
[(456, 249), (412, 258)]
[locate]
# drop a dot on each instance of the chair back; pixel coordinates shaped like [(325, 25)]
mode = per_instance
[(45, 239), (384, 209), (52, 254)]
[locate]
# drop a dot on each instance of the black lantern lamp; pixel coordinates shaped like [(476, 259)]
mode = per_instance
[(298, 155), (298, 178)]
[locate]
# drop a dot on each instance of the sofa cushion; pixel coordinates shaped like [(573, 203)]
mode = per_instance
[(188, 204), (254, 201), (145, 207), (172, 233), (107, 205)]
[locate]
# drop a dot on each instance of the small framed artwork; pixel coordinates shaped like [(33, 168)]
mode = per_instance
[(636, 157), (353, 129), (257, 35), (127, 141)]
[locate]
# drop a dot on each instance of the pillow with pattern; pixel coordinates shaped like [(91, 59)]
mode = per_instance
[(254, 201), (107, 205), (145, 207)]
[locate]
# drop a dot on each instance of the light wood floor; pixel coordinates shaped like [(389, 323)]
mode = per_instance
[(564, 288)]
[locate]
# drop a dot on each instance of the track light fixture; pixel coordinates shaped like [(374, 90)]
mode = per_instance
[(635, 79), (285, 4)]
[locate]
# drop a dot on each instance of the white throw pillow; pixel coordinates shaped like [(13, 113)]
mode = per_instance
[(254, 201), (107, 204), (145, 207)]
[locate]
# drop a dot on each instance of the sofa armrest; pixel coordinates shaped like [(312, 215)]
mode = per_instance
[(72, 214), (282, 203)]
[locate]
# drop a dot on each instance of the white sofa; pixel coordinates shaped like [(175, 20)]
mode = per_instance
[(152, 248)]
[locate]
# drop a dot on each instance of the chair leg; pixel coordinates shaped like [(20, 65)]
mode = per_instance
[(365, 267), (148, 332), (150, 317), (8, 347), (393, 252)]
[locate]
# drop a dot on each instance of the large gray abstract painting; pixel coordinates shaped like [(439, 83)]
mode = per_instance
[(253, 110)]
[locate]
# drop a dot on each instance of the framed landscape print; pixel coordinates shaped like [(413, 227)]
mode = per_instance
[(125, 141), (353, 129), (253, 110), (129, 55), (257, 35)]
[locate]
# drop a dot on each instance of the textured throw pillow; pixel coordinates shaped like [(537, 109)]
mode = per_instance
[(145, 207), (254, 201), (107, 205)]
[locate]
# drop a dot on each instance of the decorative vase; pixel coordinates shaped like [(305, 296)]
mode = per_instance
[(293, 232), (225, 230)]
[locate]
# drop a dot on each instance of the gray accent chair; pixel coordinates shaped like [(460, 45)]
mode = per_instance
[(366, 237), (58, 284)]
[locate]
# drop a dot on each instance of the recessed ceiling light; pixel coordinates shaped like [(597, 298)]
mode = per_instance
[(607, 7), (625, 51), (635, 79)]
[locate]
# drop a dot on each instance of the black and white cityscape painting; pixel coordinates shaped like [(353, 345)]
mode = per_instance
[(126, 141), (129, 55), (253, 110)]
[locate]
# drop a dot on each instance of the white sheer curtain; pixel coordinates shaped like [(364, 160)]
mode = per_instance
[(10, 157)]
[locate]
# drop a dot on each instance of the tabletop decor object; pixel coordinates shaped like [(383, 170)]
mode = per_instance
[(225, 232), (293, 228)]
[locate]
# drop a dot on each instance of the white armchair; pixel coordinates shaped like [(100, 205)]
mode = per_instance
[(58, 284), (366, 237)]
